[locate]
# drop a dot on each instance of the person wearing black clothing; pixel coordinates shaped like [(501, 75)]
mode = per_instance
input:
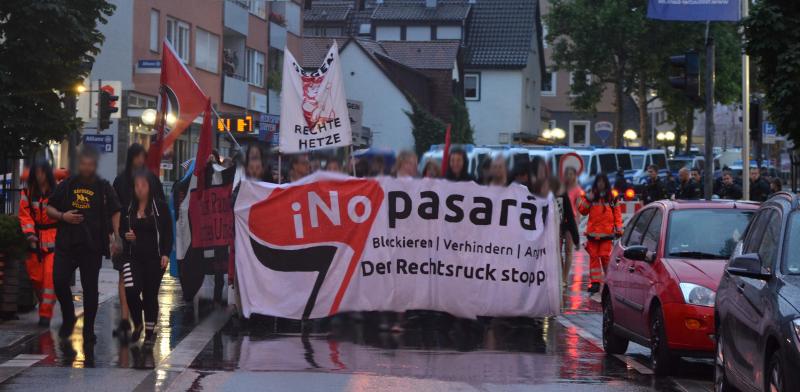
[(569, 237), (123, 185), (457, 166), (759, 187), (654, 189), (620, 183), (688, 189), (697, 177), (729, 190), (147, 230), (87, 211), (670, 185)]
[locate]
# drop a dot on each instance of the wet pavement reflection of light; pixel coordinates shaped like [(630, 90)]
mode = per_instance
[(176, 319)]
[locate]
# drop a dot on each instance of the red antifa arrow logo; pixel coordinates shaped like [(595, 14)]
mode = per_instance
[(316, 215)]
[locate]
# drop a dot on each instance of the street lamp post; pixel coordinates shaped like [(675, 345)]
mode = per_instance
[(629, 136)]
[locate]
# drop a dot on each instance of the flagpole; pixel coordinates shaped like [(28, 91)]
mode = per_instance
[(227, 130), (280, 172), (352, 161)]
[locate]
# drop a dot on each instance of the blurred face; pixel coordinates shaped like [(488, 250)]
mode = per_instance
[(141, 187), (754, 174), (302, 167), (255, 168), (601, 185), (41, 178), (652, 173), (683, 175), (333, 166), (727, 179), (696, 175), (570, 177), (457, 163), (138, 161), (408, 167), (497, 172), (87, 167)]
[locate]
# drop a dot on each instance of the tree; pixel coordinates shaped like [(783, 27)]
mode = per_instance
[(772, 33), (426, 128), (47, 48), (615, 43), (461, 131)]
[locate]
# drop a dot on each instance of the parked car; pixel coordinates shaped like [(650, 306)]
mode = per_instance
[(758, 304), (642, 159), (604, 160), (663, 275)]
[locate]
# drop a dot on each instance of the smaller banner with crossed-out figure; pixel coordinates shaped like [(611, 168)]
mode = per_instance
[(314, 112)]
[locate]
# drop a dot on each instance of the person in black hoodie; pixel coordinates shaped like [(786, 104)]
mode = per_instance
[(123, 185), (457, 166), (569, 237), (147, 230)]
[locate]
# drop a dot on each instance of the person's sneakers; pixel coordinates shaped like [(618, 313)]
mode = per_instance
[(123, 329), (593, 288), (137, 333), (44, 322), (66, 328)]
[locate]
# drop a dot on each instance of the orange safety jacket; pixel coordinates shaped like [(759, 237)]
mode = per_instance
[(605, 219), (35, 222)]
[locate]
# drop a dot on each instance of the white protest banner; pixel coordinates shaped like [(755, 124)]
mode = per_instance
[(331, 243), (313, 106)]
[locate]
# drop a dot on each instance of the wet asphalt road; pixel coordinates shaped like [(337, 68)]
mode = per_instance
[(201, 348)]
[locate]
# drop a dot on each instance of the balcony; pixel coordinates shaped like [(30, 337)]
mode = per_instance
[(234, 91), (236, 17), (277, 36)]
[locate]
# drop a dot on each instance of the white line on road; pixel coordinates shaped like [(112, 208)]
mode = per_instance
[(632, 363)]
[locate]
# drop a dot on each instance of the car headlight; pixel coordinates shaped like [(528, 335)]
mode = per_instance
[(697, 295)]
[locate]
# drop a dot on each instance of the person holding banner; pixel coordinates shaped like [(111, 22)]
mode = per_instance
[(498, 172), (256, 166), (299, 167), (604, 224), (457, 166), (147, 229), (406, 164)]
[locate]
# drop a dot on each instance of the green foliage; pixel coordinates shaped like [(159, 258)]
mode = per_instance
[(461, 131), (773, 40), (12, 242), (274, 80), (45, 46), (618, 45), (426, 128)]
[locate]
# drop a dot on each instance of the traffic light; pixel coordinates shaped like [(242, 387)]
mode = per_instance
[(106, 105), (689, 79)]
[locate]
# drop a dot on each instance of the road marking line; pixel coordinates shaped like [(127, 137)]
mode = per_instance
[(632, 363), (19, 364)]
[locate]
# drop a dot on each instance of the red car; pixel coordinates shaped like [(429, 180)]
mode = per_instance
[(663, 276)]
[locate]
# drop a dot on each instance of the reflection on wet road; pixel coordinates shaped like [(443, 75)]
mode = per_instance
[(198, 350)]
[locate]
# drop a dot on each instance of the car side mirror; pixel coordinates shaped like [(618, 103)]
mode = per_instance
[(748, 266), (638, 253)]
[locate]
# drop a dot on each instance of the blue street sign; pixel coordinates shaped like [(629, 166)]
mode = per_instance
[(695, 11), (103, 143), (770, 129), (149, 64)]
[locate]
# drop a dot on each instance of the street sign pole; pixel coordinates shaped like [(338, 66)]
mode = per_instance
[(745, 112), (709, 165)]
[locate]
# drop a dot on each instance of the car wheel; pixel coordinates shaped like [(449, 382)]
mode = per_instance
[(775, 374), (661, 358), (612, 343), (721, 383)]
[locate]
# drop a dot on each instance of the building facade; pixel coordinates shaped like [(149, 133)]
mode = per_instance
[(231, 48), (500, 43)]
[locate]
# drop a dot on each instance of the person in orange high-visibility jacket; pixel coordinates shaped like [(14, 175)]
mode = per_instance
[(40, 230), (604, 224)]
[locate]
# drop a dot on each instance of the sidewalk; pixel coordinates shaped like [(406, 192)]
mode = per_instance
[(12, 333)]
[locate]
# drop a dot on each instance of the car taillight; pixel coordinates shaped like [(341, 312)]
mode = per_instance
[(615, 193)]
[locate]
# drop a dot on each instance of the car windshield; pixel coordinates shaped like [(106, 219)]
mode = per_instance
[(638, 161), (608, 163), (678, 164), (705, 234), (792, 263), (660, 160), (625, 161)]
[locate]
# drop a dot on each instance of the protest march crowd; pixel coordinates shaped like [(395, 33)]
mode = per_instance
[(75, 222)]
